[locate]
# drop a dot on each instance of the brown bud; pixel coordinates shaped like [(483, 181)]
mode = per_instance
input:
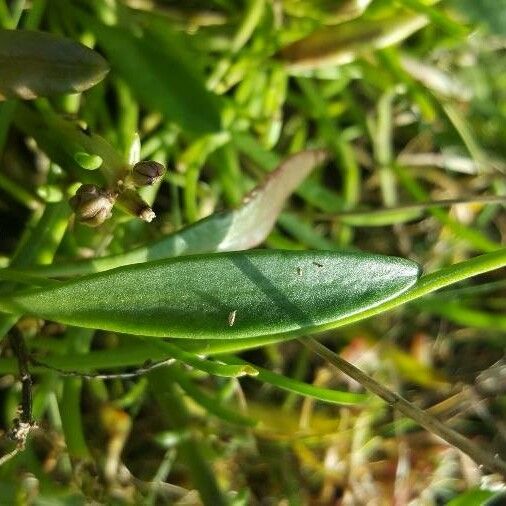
[(92, 205), (147, 173)]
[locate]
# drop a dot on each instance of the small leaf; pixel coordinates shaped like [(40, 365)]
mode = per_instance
[(87, 161), (271, 292), (34, 64)]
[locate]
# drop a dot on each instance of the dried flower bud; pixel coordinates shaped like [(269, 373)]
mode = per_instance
[(147, 173), (132, 203), (92, 205)]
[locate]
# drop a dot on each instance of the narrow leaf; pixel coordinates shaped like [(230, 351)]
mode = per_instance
[(35, 64), (228, 295), (299, 387)]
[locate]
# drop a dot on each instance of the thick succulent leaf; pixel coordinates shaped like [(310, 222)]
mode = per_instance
[(35, 64), (238, 229), (224, 295), (344, 43)]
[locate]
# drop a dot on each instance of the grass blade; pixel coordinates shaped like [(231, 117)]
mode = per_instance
[(299, 387)]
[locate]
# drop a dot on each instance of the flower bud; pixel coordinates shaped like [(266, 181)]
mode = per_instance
[(92, 205), (147, 173)]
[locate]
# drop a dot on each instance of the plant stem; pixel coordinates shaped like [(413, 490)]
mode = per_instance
[(18, 346), (423, 418)]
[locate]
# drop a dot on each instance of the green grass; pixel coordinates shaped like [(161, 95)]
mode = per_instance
[(347, 134)]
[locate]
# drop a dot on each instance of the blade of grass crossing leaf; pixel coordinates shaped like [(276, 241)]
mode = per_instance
[(380, 217), (473, 237)]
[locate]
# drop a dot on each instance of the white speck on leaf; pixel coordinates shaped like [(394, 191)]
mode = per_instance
[(231, 317)]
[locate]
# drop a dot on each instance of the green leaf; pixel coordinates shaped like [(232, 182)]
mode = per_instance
[(427, 284), (299, 387), (229, 295), (35, 64), (161, 72), (474, 497)]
